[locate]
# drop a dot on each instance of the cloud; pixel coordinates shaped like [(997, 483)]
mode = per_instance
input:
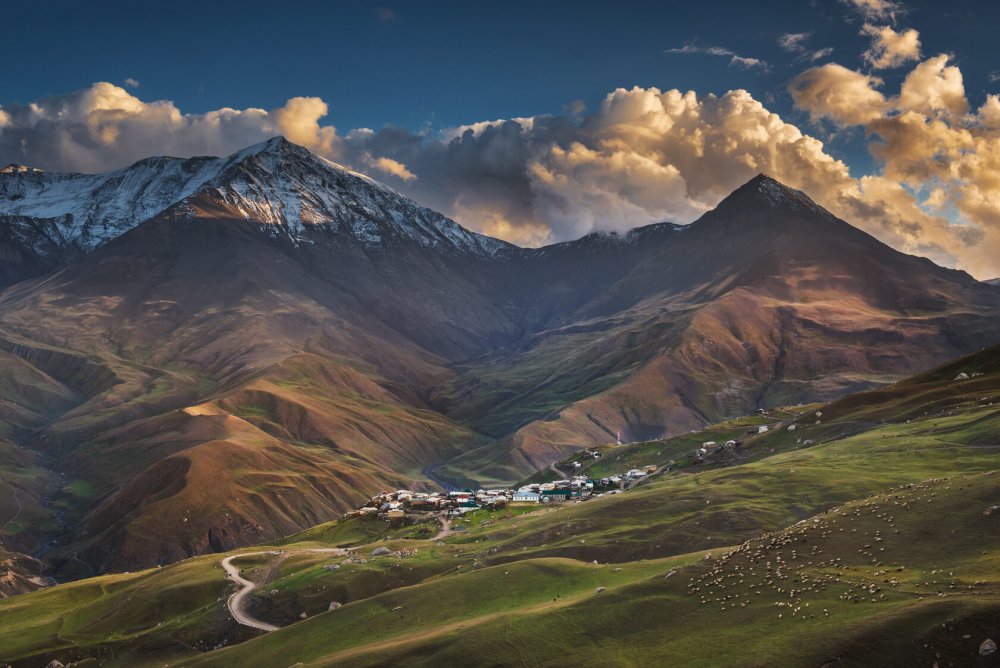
[(934, 87), (131, 83), (820, 54), (938, 188), (105, 127), (833, 91), (794, 42), (390, 167), (298, 120), (642, 155), (743, 62), (890, 48), (385, 14), (798, 43), (876, 10)]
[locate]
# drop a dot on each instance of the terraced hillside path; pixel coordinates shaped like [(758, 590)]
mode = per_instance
[(237, 602)]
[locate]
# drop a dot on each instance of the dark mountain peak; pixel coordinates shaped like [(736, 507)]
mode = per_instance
[(763, 189), (765, 206), (993, 281)]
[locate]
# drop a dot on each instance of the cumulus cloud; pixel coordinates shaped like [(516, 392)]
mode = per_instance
[(744, 62), (105, 127), (938, 188), (844, 96), (298, 120), (642, 155), (934, 87), (890, 48)]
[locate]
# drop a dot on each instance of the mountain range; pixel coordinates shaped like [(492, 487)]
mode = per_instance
[(206, 353)]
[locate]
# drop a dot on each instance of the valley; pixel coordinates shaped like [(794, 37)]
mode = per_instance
[(829, 536)]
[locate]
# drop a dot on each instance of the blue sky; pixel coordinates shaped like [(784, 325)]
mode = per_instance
[(440, 63), (410, 70)]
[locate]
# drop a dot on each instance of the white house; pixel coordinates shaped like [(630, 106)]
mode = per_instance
[(525, 496)]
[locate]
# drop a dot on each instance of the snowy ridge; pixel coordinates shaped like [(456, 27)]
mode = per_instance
[(779, 195), (88, 210), (280, 183), (272, 183)]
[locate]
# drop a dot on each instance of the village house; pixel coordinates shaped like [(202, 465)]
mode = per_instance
[(526, 496), (558, 495)]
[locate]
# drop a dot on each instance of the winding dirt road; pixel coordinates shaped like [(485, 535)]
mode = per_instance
[(237, 601)]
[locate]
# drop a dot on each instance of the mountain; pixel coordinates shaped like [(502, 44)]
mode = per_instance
[(48, 219), (993, 281), (766, 300), (278, 338)]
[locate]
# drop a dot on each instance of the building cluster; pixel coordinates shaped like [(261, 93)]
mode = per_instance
[(711, 447), (403, 503)]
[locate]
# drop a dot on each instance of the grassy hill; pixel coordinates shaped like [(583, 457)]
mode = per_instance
[(867, 535)]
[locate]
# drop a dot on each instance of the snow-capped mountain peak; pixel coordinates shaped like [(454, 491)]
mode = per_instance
[(275, 184)]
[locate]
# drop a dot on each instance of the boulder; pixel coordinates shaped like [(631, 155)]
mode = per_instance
[(600, 589), (987, 648), (380, 551), (334, 605), (55, 664)]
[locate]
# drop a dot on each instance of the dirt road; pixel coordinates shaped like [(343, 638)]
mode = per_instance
[(237, 602)]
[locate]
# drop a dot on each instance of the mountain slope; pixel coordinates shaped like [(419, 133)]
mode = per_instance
[(875, 542), (287, 337), (766, 300)]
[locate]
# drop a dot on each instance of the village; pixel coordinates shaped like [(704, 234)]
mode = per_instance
[(402, 505)]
